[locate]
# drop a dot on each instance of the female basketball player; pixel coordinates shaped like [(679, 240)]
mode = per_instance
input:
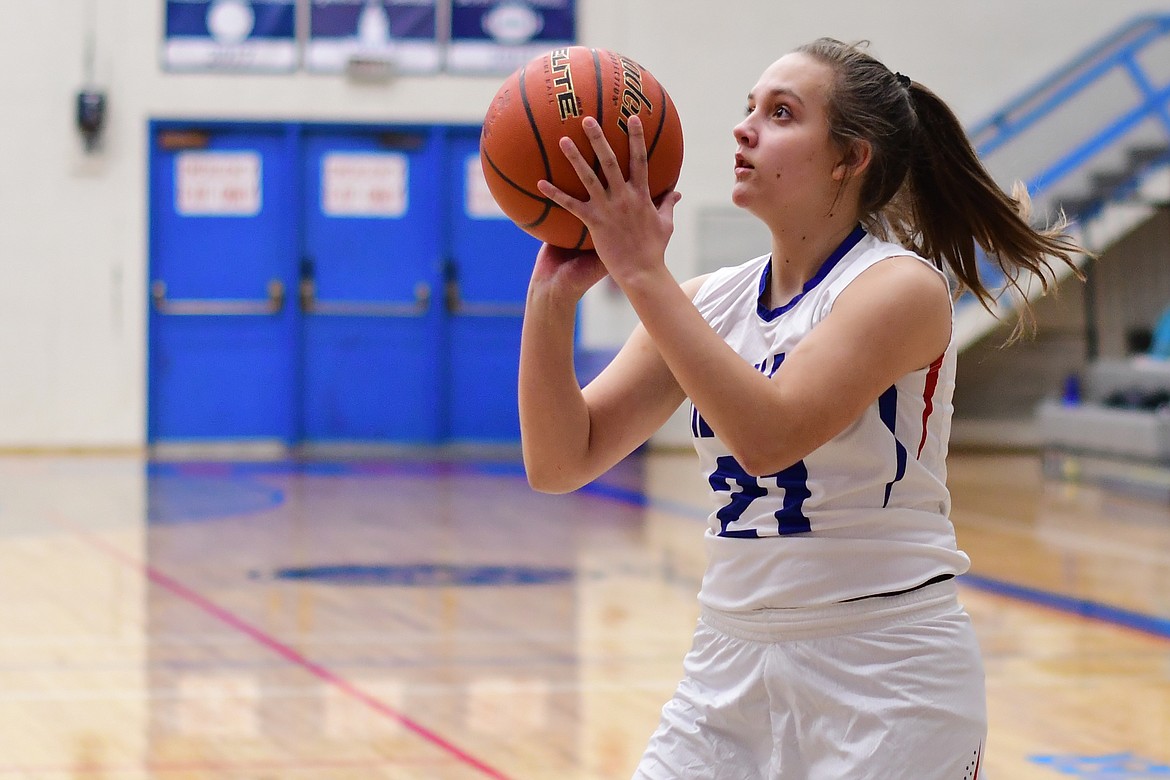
[(831, 643)]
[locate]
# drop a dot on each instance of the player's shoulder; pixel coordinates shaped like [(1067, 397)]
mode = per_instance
[(724, 279), (902, 292), (904, 274), (883, 263), (692, 286)]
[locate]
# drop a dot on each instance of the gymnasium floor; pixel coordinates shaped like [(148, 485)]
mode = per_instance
[(431, 620)]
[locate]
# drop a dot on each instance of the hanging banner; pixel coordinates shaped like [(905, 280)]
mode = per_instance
[(400, 33), (237, 35), (498, 36)]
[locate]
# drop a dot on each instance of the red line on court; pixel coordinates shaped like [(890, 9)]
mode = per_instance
[(281, 649)]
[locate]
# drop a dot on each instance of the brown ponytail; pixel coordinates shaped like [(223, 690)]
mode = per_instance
[(926, 187)]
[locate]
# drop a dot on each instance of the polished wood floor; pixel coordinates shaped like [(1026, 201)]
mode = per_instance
[(432, 620)]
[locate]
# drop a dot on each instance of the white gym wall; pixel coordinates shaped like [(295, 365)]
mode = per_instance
[(73, 226)]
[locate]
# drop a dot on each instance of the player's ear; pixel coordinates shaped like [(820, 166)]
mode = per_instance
[(855, 159)]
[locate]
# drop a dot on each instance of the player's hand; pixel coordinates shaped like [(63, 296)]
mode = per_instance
[(629, 230), (567, 272)]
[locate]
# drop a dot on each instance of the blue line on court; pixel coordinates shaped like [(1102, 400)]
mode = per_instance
[(1093, 610), (635, 497), (1115, 766), (620, 494), (1071, 605)]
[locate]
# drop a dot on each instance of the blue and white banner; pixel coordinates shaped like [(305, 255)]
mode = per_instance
[(400, 33), (251, 35), (498, 36)]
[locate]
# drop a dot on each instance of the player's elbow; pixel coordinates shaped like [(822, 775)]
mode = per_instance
[(761, 467), (550, 487), (763, 461), (549, 479)]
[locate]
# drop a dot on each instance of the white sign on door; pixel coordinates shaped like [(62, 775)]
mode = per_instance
[(367, 184), (479, 201), (218, 184)]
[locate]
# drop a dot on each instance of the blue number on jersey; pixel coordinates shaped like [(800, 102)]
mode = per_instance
[(792, 480)]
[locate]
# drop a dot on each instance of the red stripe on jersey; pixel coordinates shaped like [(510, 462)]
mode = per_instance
[(978, 761), (928, 398)]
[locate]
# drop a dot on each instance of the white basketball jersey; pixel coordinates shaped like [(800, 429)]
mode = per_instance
[(865, 513)]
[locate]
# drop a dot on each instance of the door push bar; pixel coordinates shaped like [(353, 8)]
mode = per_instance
[(417, 308), (217, 306), (307, 292), (454, 303)]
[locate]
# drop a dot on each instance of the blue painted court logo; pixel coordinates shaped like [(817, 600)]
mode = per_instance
[(1116, 766), (428, 575)]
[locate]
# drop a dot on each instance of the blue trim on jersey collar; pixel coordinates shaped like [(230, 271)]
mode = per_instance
[(770, 314)]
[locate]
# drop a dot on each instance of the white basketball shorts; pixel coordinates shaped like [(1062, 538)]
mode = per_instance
[(886, 688)]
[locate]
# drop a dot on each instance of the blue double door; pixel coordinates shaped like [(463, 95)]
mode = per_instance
[(326, 284)]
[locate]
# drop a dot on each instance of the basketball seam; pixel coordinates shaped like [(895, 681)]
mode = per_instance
[(600, 113), (584, 235), (661, 127), (532, 125), (661, 122), (548, 204)]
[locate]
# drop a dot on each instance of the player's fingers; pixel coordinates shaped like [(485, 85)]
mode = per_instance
[(584, 171), (639, 164), (561, 198), (606, 158)]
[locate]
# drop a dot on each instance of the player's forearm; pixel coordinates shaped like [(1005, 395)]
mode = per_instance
[(554, 419), (740, 403)]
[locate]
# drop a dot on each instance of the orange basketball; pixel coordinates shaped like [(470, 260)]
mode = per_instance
[(545, 100)]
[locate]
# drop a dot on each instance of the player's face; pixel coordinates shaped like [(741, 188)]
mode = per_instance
[(785, 162)]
